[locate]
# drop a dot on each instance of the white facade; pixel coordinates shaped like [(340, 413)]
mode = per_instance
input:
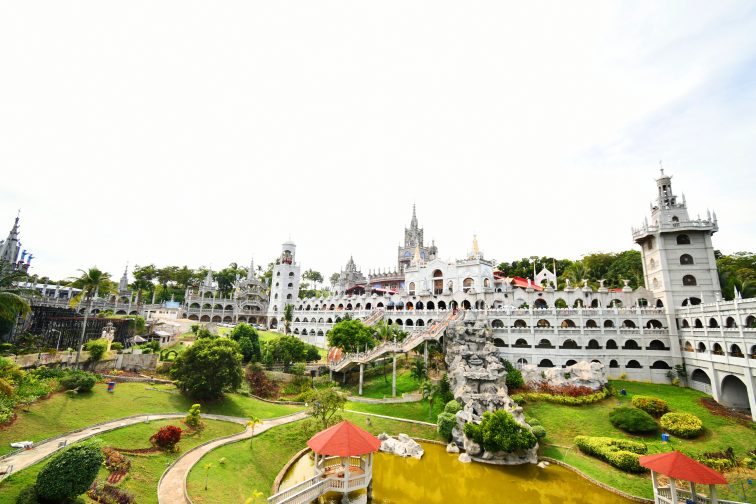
[(284, 288)]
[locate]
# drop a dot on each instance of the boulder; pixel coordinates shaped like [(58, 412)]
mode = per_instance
[(464, 458), (402, 445), (452, 448)]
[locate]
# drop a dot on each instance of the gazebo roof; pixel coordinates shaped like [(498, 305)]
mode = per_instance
[(344, 440), (678, 466)]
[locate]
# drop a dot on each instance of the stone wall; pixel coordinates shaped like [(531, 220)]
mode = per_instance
[(136, 362)]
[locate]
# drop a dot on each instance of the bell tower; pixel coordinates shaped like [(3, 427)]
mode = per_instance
[(284, 285)]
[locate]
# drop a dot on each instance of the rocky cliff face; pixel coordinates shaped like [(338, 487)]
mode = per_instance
[(478, 381), (583, 374)]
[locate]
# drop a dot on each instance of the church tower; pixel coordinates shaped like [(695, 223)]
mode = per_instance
[(413, 239), (284, 288), (11, 246), (678, 256)]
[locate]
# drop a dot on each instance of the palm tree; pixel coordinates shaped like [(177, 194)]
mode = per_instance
[(429, 391), (89, 282), (288, 314), (12, 303)]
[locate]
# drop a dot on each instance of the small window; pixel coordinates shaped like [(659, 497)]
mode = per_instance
[(683, 239), (689, 280), (686, 259)]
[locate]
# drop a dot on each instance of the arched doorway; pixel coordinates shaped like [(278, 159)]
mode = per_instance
[(734, 393)]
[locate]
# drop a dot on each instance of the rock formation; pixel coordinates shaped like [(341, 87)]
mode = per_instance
[(478, 382), (402, 445), (583, 374)]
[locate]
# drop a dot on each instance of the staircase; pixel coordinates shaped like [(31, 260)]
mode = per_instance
[(429, 333), (374, 317)]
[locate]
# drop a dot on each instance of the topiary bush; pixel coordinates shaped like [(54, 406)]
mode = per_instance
[(78, 380), (499, 431), (620, 453), (633, 420), (452, 407), (193, 418), (652, 405), (684, 425), (70, 473), (445, 422), (538, 431), (167, 437)]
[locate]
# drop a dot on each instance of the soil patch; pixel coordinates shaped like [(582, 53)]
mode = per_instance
[(717, 409)]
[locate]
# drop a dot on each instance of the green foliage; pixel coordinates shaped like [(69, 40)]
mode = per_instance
[(311, 353), (70, 473), (96, 349), (684, 425), (116, 346), (204, 333), (351, 336), (452, 407), (444, 390), (251, 347), (28, 496), (208, 367), (499, 431), (514, 376), (620, 453), (445, 422), (418, 372), (284, 350), (193, 418), (523, 397), (324, 405), (652, 405), (737, 271), (13, 300), (82, 381), (633, 420), (538, 431)]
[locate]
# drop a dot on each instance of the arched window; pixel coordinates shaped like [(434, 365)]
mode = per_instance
[(613, 363), (543, 323), (660, 364), (290, 285), (545, 363), (688, 347), (486, 283), (656, 345), (591, 323), (521, 362), (419, 305), (730, 323), (736, 352), (683, 239), (578, 303), (467, 284), (569, 344), (659, 303), (701, 348), (651, 264), (689, 280), (498, 342), (750, 321), (430, 305), (713, 322), (686, 259), (544, 343), (520, 323), (717, 349), (611, 344), (540, 303), (653, 324), (633, 364), (655, 284), (567, 323), (698, 324), (651, 243), (628, 324), (608, 323), (685, 324), (521, 343), (496, 324), (570, 362), (291, 274), (412, 288), (631, 344), (438, 282), (593, 345)]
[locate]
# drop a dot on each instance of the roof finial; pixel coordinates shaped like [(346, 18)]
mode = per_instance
[(661, 168)]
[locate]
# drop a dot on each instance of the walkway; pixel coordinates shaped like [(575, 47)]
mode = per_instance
[(172, 485), (406, 398)]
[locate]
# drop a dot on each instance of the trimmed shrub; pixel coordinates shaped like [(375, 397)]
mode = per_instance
[(538, 431), (533, 422), (116, 346), (684, 425), (69, 474), (633, 420), (620, 453), (28, 496), (445, 423), (499, 431), (452, 407), (167, 437), (652, 405), (565, 400), (79, 380), (193, 418), (514, 376), (96, 349)]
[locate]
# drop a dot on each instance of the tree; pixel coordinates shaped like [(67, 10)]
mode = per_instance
[(444, 390), (288, 317), (284, 350), (12, 301), (324, 404), (430, 392), (418, 371), (514, 376), (737, 271), (499, 431), (333, 279), (208, 367), (351, 336), (313, 276), (249, 341), (143, 280), (70, 473), (89, 282)]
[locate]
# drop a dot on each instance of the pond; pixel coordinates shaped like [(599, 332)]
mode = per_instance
[(438, 478)]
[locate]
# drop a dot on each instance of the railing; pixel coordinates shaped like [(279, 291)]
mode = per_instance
[(665, 497)]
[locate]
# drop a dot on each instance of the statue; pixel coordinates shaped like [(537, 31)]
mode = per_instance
[(108, 334)]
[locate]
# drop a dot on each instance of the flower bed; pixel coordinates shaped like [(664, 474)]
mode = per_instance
[(567, 400)]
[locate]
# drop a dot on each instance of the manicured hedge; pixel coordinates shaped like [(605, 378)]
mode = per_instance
[(651, 405), (70, 473), (538, 431), (684, 425), (620, 453), (633, 420), (78, 380), (445, 423), (524, 397)]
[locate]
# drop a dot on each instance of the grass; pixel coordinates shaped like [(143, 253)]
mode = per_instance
[(142, 479), (63, 413), (376, 387), (412, 410), (563, 423), (261, 458)]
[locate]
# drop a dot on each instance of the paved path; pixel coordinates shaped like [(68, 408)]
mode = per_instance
[(172, 485), (406, 398)]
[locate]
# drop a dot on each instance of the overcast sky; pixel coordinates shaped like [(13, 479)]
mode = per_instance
[(200, 133)]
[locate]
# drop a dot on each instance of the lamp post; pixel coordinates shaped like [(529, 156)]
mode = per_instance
[(57, 345)]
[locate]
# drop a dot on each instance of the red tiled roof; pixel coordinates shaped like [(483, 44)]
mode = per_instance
[(678, 466), (344, 440)]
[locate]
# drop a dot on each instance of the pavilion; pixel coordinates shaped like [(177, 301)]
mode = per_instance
[(677, 466)]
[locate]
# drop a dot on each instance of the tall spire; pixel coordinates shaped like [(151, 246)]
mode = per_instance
[(123, 285), (413, 222), (251, 271), (11, 246)]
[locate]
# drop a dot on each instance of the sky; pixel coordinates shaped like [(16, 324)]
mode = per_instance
[(201, 133)]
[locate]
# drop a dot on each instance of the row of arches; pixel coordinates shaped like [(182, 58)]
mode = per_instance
[(589, 323), (593, 344), (713, 323), (613, 363), (717, 349), (312, 332)]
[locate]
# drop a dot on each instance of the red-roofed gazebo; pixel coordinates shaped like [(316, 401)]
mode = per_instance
[(677, 466), (344, 440)]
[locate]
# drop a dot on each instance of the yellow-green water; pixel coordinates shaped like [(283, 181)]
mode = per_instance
[(439, 478)]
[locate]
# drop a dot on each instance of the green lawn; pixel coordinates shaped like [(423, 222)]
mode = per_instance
[(142, 479), (563, 423), (377, 387), (412, 410), (261, 458), (63, 413)]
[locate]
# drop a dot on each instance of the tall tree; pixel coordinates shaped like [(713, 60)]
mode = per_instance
[(90, 282), (351, 336), (12, 300), (313, 276), (288, 315)]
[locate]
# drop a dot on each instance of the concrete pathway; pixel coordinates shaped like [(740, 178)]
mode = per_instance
[(406, 398), (172, 485)]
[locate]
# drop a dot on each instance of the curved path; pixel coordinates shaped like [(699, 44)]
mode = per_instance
[(172, 485)]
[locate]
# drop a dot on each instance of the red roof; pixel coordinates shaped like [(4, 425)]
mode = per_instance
[(678, 466), (344, 440), (334, 354), (525, 283)]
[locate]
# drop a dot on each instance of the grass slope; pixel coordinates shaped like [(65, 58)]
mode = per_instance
[(563, 423), (377, 387), (412, 410), (142, 479), (261, 458), (63, 413)]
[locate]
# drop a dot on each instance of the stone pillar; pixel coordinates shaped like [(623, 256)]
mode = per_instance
[(713, 494), (362, 366), (673, 490), (393, 377)]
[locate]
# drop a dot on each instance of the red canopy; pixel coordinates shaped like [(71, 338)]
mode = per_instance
[(678, 466), (344, 440)]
